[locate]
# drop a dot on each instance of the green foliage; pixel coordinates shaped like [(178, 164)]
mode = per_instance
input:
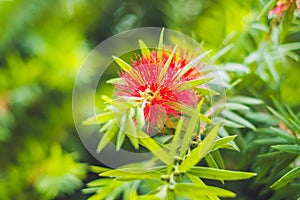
[(43, 44)]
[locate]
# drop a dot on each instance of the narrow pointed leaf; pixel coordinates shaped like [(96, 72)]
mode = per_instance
[(113, 80), (220, 143), (196, 180), (98, 119), (236, 106), (218, 159), (246, 100), (107, 137), (124, 65), (155, 148), (131, 132), (232, 124), (288, 177), (216, 174), (190, 129), (122, 174), (167, 64), (238, 119), (294, 149), (191, 64), (200, 192), (121, 134), (193, 83), (201, 150), (145, 50), (206, 91), (267, 8), (161, 43), (176, 139)]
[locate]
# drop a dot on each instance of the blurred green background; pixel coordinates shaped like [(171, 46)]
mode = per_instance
[(43, 44)]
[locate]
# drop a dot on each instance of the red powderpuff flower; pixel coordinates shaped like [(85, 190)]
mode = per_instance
[(283, 5), (155, 80)]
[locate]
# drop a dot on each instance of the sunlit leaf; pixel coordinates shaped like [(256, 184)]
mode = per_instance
[(160, 44), (295, 149), (238, 119), (191, 127), (154, 147), (220, 143), (191, 64), (193, 83), (288, 177), (246, 100), (107, 137), (201, 150), (143, 47), (98, 119), (167, 64), (216, 174), (132, 174), (200, 192)]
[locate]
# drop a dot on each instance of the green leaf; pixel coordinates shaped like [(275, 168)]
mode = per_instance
[(97, 169), (213, 112), (196, 180), (160, 44), (201, 150), (260, 117), (217, 174), (277, 115), (191, 64), (205, 91), (209, 140), (176, 138), (218, 159), (286, 22), (167, 64), (132, 174), (131, 132), (140, 117), (170, 194), (121, 134), (220, 143), (107, 137), (292, 114), (149, 197), (154, 147), (200, 192), (124, 65), (143, 47), (190, 129), (113, 80), (238, 119), (294, 149), (236, 106), (232, 124), (274, 132), (222, 52), (246, 100), (99, 182), (288, 177), (181, 108), (98, 119), (203, 118), (105, 191), (270, 63), (211, 161), (267, 8), (193, 83)]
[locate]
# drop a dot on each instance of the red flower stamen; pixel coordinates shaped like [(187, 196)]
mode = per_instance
[(159, 94)]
